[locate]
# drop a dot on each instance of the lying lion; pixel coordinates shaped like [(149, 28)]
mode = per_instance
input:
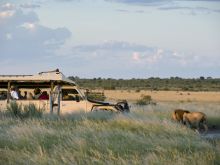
[(177, 115), (195, 119)]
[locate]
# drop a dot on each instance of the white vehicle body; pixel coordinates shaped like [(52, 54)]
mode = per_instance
[(64, 96)]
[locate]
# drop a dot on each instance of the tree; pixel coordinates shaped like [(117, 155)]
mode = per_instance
[(202, 78)]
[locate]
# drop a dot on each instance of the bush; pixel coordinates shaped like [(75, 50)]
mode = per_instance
[(109, 88), (137, 90), (96, 96), (14, 109), (145, 100), (31, 111), (185, 88)]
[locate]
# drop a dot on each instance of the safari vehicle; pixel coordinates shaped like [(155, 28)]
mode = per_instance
[(64, 96)]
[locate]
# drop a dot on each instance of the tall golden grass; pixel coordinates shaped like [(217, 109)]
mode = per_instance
[(144, 136)]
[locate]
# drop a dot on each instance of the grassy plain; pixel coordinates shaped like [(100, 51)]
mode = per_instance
[(144, 136), (171, 96)]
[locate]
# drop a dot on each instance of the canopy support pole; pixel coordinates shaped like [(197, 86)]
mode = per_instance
[(51, 96), (58, 107), (8, 93)]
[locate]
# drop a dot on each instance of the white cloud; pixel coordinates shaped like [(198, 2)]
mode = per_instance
[(155, 57), (128, 51), (115, 58), (28, 44), (142, 2), (6, 14), (23, 38), (29, 5), (151, 56), (190, 10), (136, 56), (29, 26), (170, 5), (8, 6)]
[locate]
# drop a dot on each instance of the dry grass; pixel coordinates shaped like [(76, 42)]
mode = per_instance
[(132, 95), (144, 136)]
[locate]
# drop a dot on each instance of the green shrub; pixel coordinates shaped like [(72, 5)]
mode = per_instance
[(96, 96), (109, 88), (185, 88), (32, 111), (137, 90), (144, 100), (26, 111), (14, 109)]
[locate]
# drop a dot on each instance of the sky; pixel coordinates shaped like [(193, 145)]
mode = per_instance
[(111, 38)]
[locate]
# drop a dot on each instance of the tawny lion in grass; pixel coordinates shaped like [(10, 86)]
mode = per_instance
[(177, 115), (195, 119)]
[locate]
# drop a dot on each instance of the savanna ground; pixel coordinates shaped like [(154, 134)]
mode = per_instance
[(146, 135), (164, 96)]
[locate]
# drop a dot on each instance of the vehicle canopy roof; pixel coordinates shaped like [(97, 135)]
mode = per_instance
[(42, 79)]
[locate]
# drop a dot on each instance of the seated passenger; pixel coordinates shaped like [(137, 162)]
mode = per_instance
[(44, 96), (3, 95), (20, 95), (66, 96), (37, 93), (25, 95), (14, 93), (29, 96)]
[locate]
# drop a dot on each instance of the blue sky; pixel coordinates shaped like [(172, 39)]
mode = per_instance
[(111, 38)]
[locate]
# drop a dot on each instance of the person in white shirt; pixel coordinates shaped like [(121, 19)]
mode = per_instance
[(14, 93)]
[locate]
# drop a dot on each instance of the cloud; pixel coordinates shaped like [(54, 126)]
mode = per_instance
[(155, 57), (168, 5), (123, 10), (124, 59), (6, 14), (153, 2), (141, 2), (119, 50), (10, 6), (29, 6), (111, 45), (201, 0), (27, 46), (136, 56), (129, 11), (192, 10), (7, 6), (24, 40)]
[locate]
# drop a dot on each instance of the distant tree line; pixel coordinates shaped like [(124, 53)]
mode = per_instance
[(153, 83)]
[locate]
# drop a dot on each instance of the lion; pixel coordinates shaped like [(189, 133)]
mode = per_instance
[(177, 115), (195, 119)]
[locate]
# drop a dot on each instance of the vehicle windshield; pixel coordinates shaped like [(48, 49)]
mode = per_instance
[(71, 94)]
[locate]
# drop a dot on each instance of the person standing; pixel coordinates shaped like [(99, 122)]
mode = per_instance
[(14, 93)]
